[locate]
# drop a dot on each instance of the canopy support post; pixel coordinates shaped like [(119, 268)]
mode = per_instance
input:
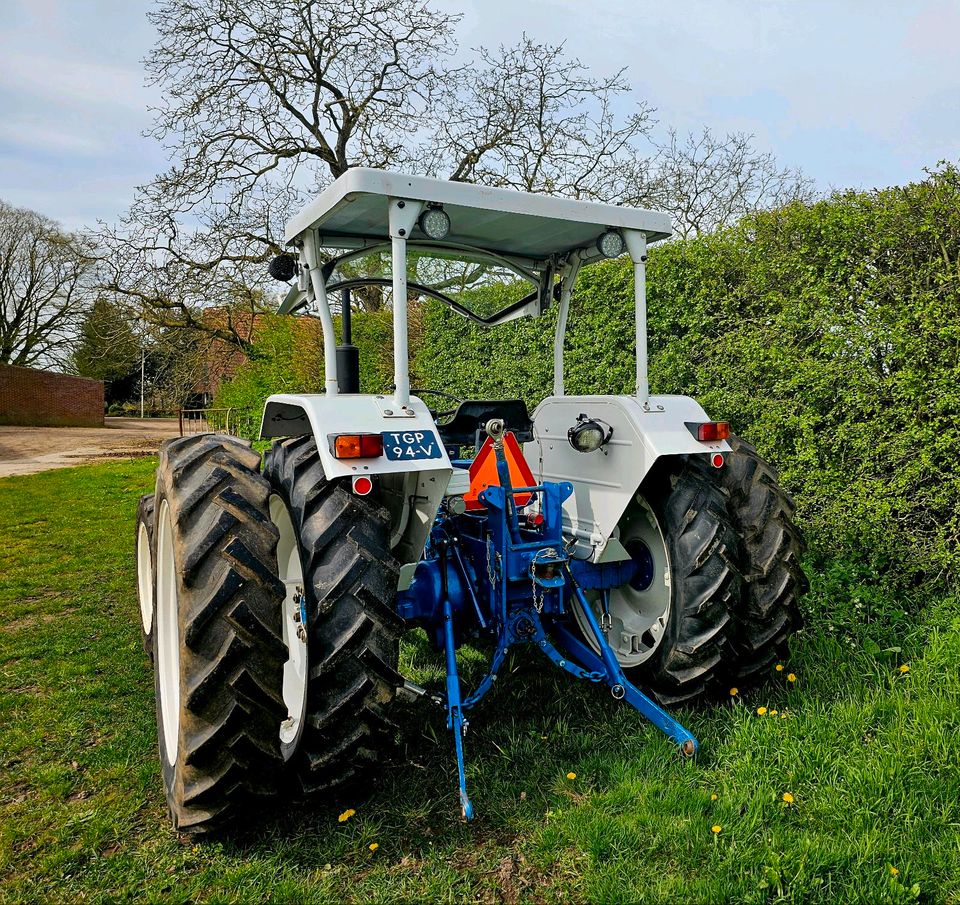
[(403, 216), (637, 246)]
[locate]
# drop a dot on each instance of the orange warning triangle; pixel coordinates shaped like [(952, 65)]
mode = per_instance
[(483, 472)]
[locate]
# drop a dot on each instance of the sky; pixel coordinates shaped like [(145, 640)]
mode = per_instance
[(856, 93)]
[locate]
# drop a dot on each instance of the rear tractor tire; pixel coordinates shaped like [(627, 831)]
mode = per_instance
[(670, 624), (341, 578), (218, 651), (145, 552), (767, 612)]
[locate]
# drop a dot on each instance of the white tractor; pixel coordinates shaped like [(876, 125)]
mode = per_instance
[(630, 540)]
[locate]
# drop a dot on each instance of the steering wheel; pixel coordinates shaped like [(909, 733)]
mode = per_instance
[(438, 415)]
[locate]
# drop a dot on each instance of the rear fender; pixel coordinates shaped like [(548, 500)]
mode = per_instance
[(606, 480), (411, 489)]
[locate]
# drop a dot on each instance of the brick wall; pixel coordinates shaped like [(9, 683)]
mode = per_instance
[(42, 398)]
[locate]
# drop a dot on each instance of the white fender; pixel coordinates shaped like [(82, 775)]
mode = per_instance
[(413, 488), (606, 480)]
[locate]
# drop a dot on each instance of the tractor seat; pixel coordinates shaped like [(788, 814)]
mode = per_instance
[(472, 414)]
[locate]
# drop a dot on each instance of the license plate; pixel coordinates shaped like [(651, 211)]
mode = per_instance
[(410, 445)]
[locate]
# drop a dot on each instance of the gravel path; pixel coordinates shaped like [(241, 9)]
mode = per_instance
[(26, 450)]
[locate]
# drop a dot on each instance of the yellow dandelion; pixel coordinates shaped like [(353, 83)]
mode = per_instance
[(716, 828), (788, 798), (894, 872), (373, 846), (761, 710), (346, 815), (571, 776), (779, 667), (905, 667), (791, 678), (773, 713), (734, 692), (783, 716), (714, 796)]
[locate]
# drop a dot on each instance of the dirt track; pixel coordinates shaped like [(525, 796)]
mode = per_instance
[(26, 450)]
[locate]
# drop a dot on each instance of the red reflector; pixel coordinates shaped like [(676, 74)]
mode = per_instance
[(356, 446), (717, 460), (362, 485), (535, 520), (713, 430)]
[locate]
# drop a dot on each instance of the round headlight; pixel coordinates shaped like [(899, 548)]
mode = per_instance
[(588, 435), (611, 244), (435, 223)]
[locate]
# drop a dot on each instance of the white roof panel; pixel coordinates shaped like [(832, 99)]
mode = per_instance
[(499, 220)]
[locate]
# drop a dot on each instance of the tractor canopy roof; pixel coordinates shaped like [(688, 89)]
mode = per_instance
[(354, 211)]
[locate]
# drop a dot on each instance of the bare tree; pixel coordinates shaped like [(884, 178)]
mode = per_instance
[(529, 117), (266, 101), (706, 182), (44, 288)]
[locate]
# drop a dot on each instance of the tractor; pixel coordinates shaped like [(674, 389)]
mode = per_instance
[(630, 540)]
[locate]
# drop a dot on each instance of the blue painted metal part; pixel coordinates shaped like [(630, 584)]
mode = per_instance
[(500, 575), (621, 688), (455, 720)]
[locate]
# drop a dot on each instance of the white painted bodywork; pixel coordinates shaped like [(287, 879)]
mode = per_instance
[(606, 480), (419, 485)]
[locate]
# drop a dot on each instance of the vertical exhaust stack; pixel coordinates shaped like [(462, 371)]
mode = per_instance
[(348, 355)]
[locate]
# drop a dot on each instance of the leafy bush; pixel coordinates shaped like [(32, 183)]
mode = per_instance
[(827, 334), (287, 357)]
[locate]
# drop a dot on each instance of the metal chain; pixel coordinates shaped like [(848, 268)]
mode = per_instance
[(606, 620), (549, 553), (537, 595), (491, 573)]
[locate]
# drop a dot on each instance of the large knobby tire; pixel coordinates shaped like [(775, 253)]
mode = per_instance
[(218, 652), (144, 546), (767, 612), (705, 581), (349, 581)]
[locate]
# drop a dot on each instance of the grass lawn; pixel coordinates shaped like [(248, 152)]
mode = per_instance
[(870, 755)]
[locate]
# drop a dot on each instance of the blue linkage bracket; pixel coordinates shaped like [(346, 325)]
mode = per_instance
[(455, 721), (620, 687), (515, 614)]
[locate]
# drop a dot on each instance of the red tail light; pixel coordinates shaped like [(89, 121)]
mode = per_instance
[(711, 431), (356, 446)]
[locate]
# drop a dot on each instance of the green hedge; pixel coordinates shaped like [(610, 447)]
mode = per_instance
[(828, 334)]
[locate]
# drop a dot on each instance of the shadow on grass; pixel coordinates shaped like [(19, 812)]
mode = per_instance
[(535, 727)]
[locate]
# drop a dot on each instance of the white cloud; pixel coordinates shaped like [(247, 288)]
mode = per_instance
[(61, 80), (38, 135)]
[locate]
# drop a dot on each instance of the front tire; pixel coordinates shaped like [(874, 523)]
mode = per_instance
[(218, 652), (145, 551), (340, 556)]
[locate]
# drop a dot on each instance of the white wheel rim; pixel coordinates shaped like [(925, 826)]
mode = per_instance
[(167, 642), (639, 614), (295, 668), (145, 577)]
